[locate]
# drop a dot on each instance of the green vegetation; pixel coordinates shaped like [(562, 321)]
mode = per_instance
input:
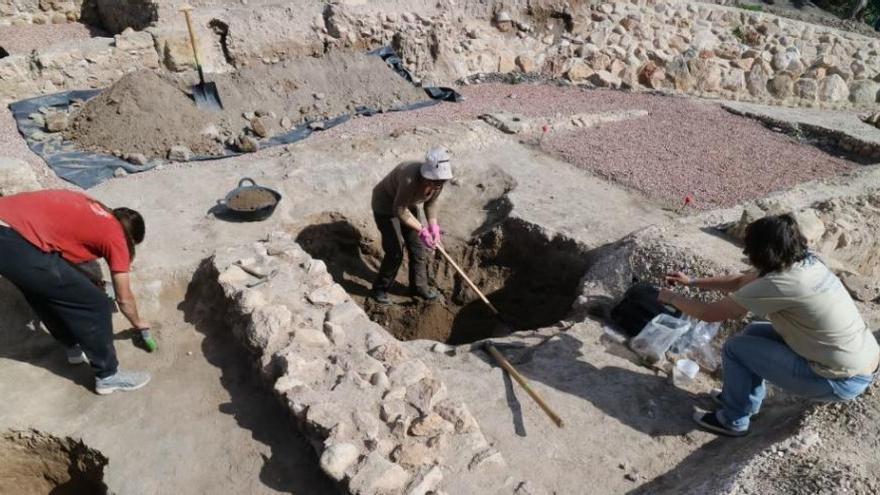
[(751, 7)]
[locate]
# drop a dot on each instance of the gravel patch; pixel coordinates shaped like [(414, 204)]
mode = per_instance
[(683, 147), (29, 37)]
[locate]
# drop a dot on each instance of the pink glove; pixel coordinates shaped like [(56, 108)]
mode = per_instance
[(426, 237), (435, 233)]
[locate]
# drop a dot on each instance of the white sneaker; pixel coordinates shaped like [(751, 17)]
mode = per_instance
[(75, 355), (122, 380)]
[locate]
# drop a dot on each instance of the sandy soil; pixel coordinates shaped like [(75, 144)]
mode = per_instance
[(149, 114), (29, 37)]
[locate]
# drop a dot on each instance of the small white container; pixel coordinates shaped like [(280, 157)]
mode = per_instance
[(684, 372)]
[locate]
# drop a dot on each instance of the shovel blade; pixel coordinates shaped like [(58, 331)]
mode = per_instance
[(206, 96)]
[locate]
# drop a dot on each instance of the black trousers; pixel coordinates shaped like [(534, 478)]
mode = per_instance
[(418, 256), (71, 306)]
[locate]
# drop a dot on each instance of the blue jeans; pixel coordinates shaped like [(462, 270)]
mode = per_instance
[(759, 354)]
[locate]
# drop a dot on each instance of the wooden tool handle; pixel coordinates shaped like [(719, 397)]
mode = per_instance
[(524, 384), (466, 279), (187, 12)]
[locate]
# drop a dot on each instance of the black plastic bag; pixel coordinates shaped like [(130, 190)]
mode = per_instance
[(639, 306)]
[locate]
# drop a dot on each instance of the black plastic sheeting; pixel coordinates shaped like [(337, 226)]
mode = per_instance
[(87, 169)]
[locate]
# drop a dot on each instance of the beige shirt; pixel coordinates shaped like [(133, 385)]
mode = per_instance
[(401, 190), (814, 314)]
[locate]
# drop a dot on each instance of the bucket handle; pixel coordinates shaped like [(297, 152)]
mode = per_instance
[(246, 179)]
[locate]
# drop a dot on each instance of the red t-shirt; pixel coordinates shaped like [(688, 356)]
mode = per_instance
[(67, 222)]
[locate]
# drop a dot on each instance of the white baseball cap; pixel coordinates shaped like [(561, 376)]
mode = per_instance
[(436, 165)]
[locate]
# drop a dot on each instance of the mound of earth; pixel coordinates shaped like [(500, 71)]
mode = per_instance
[(149, 113), (144, 112)]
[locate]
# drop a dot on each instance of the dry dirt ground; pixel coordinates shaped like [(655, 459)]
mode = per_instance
[(205, 424)]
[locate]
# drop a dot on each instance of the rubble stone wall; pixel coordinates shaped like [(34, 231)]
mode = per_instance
[(378, 418), (657, 45), (15, 12)]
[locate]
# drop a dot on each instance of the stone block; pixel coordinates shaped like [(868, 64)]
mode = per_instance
[(605, 79), (16, 176), (430, 425), (458, 415), (343, 313), (130, 39), (407, 373), (378, 476), (426, 481), (328, 295), (806, 88), (864, 92), (310, 337), (179, 154), (425, 394), (267, 325), (833, 88), (337, 458), (579, 72)]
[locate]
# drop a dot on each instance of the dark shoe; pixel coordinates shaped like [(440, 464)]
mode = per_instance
[(428, 294), (709, 421), (715, 395), (380, 296)]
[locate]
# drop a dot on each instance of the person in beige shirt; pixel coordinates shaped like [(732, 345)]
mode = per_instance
[(815, 344), (396, 198)]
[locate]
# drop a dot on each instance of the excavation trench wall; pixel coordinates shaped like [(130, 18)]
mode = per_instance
[(378, 418), (665, 45), (34, 463), (530, 280)]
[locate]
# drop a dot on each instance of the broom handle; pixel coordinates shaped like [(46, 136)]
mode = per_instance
[(524, 384), (466, 279)]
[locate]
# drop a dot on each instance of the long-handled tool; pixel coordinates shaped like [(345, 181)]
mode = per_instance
[(495, 353), (204, 93)]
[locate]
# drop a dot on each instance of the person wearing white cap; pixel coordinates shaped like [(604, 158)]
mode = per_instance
[(396, 197)]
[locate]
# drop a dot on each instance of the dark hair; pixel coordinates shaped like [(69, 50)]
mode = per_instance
[(133, 225), (774, 243)]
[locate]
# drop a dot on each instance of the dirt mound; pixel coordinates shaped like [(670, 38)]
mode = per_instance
[(148, 113), (143, 112), (33, 463)]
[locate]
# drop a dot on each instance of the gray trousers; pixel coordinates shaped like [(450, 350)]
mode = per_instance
[(418, 256)]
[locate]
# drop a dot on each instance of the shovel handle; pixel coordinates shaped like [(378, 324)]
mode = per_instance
[(524, 384), (187, 13), (466, 279)]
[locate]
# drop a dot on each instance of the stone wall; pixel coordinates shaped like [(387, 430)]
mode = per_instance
[(657, 45), (94, 63), (666, 45), (378, 418), (15, 12)]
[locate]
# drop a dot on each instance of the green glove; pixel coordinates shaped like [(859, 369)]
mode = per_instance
[(148, 340)]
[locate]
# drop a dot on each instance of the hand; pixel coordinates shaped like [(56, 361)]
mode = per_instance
[(679, 278), (665, 296), (435, 232), (427, 238)]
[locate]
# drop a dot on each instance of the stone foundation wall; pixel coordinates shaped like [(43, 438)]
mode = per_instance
[(94, 63), (16, 12), (658, 45), (378, 417), (666, 45)]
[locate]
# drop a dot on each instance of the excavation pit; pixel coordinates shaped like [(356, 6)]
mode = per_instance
[(529, 291), (33, 463)]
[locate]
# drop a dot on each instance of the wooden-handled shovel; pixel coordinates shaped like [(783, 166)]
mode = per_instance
[(204, 93), (504, 363)]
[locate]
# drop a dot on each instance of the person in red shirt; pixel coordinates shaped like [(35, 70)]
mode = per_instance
[(45, 239)]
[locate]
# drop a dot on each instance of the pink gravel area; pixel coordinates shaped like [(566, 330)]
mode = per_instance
[(29, 37), (682, 147)]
